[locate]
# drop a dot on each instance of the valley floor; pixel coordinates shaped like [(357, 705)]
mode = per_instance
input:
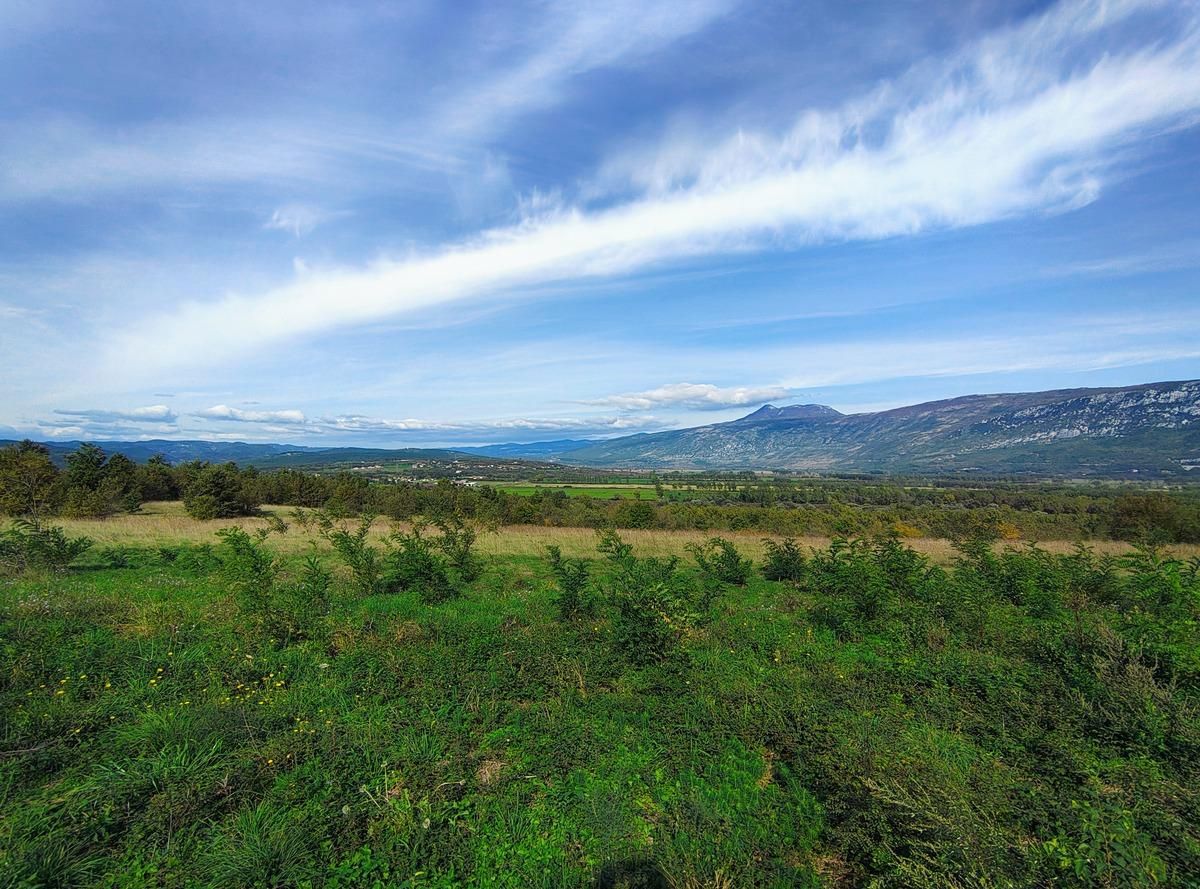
[(166, 523)]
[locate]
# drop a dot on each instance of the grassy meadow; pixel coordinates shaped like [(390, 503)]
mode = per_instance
[(184, 709)]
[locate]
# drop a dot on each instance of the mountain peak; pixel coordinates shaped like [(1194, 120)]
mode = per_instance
[(791, 412)]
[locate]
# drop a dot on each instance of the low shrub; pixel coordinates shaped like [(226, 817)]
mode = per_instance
[(413, 564), (29, 545), (718, 558), (784, 561), (654, 601), (572, 578), (364, 561), (457, 543), (278, 607)]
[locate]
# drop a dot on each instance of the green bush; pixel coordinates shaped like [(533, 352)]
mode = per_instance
[(219, 492), (718, 558), (572, 578), (457, 543), (784, 561), (612, 547), (1105, 848), (280, 608), (1014, 718), (365, 562), (654, 601), (434, 567), (853, 584), (27, 545), (412, 564)]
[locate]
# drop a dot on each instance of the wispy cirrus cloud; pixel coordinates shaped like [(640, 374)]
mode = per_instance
[(1171, 258), (524, 65), (548, 227), (1034, 119), (298, 219), (699, 396), (569, 40)]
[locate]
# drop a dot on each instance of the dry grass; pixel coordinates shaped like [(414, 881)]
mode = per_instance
[(489, 770), (165, 523)]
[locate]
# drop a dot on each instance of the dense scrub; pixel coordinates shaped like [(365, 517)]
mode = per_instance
[(223, 716)]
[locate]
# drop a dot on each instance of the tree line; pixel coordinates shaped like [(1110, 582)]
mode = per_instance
[(93, 484)]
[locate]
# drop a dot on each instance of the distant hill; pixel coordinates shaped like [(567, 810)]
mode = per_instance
[(264, 455), (1151, 430), (177, 451), (529, 450)]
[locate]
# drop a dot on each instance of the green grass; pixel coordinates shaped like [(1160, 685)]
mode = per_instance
[(964, 728)]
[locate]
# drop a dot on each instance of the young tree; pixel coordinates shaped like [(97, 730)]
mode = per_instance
[(218, 492), (99, 486), (29, 481), (120, 482), (156, 480), (85, 467)]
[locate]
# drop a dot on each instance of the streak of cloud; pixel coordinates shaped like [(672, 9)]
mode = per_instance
[(1002, 129)]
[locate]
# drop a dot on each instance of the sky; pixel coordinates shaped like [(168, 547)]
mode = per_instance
[(421, 223)]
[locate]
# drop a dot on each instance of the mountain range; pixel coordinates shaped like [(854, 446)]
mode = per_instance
[(1134, 431), (1145, 431)]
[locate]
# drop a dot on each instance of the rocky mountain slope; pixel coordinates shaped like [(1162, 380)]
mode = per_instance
[(1148, 430)]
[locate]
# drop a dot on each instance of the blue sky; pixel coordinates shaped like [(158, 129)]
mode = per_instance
[(430, 223)]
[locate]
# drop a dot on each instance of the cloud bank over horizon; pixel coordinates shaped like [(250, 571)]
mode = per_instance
[(1008, 203)]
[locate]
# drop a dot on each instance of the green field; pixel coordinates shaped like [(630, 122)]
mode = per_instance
[(598, 492), (192, 715)]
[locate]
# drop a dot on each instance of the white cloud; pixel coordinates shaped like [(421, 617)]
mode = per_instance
[(484, 428), (66, 432), (237, 415), (12, 312), (1066, 344), (63, 157), (350, 426), (158, 413), (99, 423), (700, 396), (1002, 129)]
